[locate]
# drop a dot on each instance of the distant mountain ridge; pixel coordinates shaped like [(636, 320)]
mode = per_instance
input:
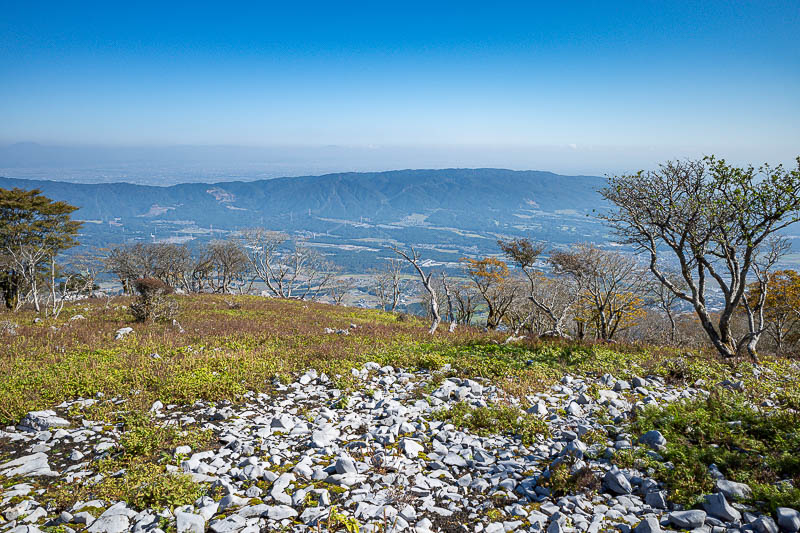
[(381, 194), (433, 207)]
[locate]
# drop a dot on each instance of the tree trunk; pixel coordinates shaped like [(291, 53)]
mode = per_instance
[(450, 314), (11, 290), (722, 339), (671, 327), (751, 348), (434, 308)]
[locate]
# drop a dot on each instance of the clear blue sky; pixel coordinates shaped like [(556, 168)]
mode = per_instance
[(668, 76)]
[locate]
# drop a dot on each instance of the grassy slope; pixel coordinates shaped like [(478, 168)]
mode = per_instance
[(234, 344), (226, 350)]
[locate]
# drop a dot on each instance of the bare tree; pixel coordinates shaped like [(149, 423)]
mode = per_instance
[(554, 297), (230, 267), (491, 277), (131, 262), (219, 266), (413, 257), (305, 273), (713, 219), (87, 266), (46, 285), (519, 316), (27, 260), (781, 307), (763, 264), (466, 299), (340, 286), (172, 264), (58, 288), (199, 277), (450, 316), (666, 300), (294, 272), (389, 284), (611, 286), (261, 246)]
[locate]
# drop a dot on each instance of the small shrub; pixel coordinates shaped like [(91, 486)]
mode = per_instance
[(233, 304), (144, 449), (495, 515), (430, 361), (338, 521), (495, 419), (594, 436), (341, 402), (144, 438), (149, 486), (152, 301), (563, 481)]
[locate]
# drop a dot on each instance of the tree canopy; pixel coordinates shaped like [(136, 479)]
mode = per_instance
[(717, 222), (30, 218), (33, 230)]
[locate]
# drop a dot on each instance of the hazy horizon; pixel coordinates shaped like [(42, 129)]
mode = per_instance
[(169, 165), (577, 89)]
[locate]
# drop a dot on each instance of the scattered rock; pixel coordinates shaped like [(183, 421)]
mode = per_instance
[(115, 523), (788, 519), (648, 525), (284, 460), (654, 439), (280, 512), (189, 523), (687, 519), (41, 421), (733, 490), (717, 506), (29, 465), (616, 482), (765, 524), (411, 447)]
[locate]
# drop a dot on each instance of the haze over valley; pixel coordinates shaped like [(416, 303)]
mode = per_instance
[(351, 217)]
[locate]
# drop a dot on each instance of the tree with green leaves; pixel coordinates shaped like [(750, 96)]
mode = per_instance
[(718, 222), (33, 230)]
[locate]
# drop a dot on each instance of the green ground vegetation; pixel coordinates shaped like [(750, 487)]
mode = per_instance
[(748, 443), (221, 351)]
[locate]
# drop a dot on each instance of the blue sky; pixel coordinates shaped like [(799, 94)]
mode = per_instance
[(674, 78)]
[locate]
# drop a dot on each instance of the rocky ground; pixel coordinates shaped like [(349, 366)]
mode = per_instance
[(384, 458)]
